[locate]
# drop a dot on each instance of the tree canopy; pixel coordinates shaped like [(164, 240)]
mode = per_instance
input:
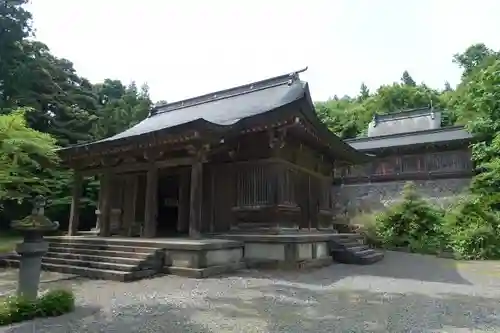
[(24, 152), (44, 102)]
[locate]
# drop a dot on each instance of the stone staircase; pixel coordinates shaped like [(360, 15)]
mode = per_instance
[(351, 249), (99, 259)]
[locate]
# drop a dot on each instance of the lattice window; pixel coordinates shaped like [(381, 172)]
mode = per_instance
[(254, 187)]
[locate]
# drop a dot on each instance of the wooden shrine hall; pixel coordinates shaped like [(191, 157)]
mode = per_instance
[(250, 159)]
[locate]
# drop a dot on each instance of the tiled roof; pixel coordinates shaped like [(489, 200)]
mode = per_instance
[(433, 136)]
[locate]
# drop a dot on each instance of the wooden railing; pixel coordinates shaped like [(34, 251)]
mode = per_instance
[(443, 162)]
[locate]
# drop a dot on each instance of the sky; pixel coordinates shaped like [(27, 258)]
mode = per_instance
[(186, 48)]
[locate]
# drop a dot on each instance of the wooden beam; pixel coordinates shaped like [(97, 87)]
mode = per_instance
[(181, 161), (74, 217), (151, 197)]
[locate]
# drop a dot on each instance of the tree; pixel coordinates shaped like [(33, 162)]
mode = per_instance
[(474, 224), (364, 92), (121, 107), (447, 86), (337, 116), (407, 79), (15, 26), (473, 56), (24, 153), (397, 97), (478, 105)]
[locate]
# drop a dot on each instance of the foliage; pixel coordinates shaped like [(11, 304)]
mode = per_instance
[(8, 241), (473, 228), (366, 225), (473, 225), (412, 223), (349, 117), (24, 153), (408, 80), (61, 104), (53, 303), (121, 107), (473, 57)]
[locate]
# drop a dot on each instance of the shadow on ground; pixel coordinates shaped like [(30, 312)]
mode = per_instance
[(295, 309), (395, 265), (156, 318)]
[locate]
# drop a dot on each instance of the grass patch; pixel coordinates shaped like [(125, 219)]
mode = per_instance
[(8, 241), (53, 303)]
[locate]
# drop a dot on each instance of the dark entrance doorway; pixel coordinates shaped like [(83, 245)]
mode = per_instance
[(168, 206)]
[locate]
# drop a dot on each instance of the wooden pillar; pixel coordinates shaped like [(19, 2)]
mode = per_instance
[(151, 197), (195, 202), (105, 206), (129, 201), (74, 217), (98, 210), (184, 199)]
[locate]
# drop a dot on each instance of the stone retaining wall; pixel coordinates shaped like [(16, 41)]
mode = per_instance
[(354, 199)]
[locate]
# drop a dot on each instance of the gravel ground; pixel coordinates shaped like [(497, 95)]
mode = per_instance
[(404, 293)]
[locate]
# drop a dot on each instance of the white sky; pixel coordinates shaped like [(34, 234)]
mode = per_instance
[(185, 48)]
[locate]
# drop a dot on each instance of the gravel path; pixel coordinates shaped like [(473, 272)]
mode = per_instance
[(404, 293)]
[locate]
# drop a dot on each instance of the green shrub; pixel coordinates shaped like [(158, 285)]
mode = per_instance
[(53, 303), (473, 228), (365, 224), (413, 223), (56, 302)]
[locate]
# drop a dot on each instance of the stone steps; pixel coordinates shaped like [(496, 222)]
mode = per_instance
[(102, 247), (101, 257), (98, 260), (105, 253), (352, 250)]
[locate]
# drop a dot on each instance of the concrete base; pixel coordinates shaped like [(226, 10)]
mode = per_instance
[(285, 251), (202, 258), (179, 256)]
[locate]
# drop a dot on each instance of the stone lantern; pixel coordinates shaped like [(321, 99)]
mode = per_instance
[(33, 247)]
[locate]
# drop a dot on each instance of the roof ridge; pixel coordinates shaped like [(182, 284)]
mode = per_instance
[(406, 113), (432, 130), (288, 78)]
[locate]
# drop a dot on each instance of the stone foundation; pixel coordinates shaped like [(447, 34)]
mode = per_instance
[(291, 251), (202, 258)]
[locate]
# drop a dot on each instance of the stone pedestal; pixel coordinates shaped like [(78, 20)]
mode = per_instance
[(98, 221), (33, 247), (31, 251)]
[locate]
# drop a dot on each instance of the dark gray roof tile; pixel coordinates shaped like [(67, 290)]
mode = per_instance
[(223, 111), (436, 136)]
